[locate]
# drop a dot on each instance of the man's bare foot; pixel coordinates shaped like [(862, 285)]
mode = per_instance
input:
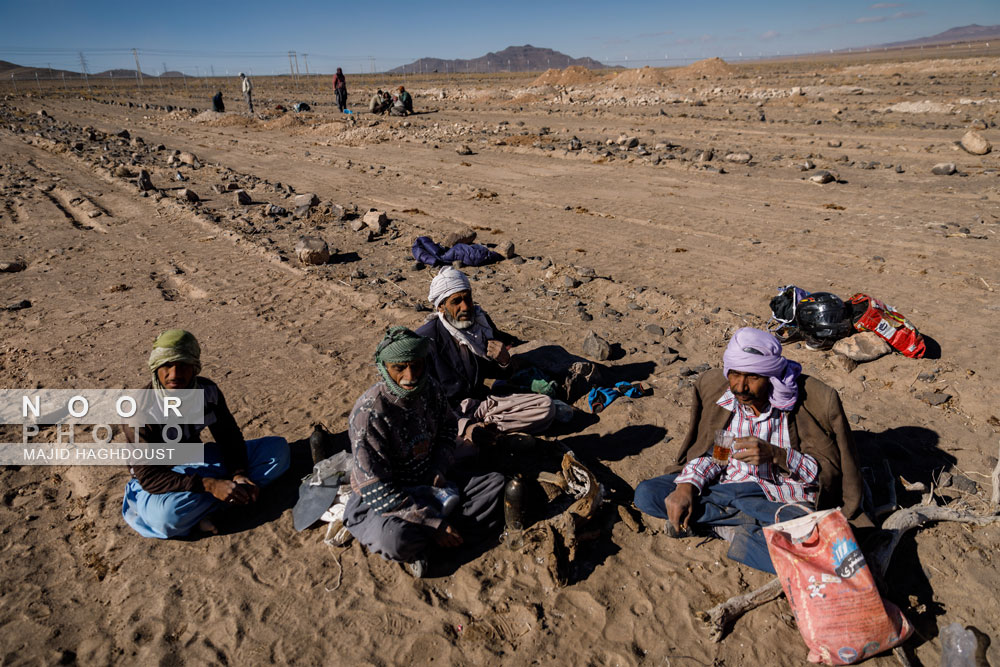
[(206, 526)]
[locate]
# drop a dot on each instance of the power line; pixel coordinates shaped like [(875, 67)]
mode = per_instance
[(83, 65)]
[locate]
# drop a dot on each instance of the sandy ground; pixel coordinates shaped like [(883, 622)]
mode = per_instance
[(695, 247)]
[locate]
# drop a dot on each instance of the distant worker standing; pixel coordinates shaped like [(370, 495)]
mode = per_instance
[(340, 89), (247, 91)]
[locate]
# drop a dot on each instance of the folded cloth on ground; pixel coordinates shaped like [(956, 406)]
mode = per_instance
[(470, 254)]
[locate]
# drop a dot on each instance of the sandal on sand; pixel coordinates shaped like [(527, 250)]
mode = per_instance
[(632, 389)]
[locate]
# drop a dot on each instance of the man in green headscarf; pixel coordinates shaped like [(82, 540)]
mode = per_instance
[(169, 502), (407, 495)]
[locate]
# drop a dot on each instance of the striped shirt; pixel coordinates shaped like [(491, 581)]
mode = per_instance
[(798, 485)]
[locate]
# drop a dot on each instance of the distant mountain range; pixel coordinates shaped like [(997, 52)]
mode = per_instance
[(22, 72), (965, 33), (525, 58)]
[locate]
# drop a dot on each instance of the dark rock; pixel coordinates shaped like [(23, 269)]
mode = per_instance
[(12, 267), (143, 181), (18, 305), (934, 398), (654, 329), (187, 194), (243, 198), (964, 484), (944, 169), (596, 347)]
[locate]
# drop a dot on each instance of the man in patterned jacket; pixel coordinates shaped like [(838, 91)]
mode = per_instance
[(791, 444), (402, 434)]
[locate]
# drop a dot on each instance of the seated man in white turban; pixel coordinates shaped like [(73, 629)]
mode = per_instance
[(466, 349)]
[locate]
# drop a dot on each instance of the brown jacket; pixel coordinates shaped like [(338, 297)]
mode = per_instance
[(816, 426)]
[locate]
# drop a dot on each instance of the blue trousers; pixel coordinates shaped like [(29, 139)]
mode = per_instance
[(742, 505), (174, 514)]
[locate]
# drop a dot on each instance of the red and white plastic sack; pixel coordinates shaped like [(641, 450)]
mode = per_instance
[(890, 325), (831, 590)]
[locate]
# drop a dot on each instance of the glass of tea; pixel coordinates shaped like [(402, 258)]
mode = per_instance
[(723, 447)]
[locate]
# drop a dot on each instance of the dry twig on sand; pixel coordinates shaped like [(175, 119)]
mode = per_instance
[(721, 616)]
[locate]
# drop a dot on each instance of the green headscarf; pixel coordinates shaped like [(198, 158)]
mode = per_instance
[(399, 346), (174, 346)]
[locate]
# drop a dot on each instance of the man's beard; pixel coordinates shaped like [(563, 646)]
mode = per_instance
[(458, 324)]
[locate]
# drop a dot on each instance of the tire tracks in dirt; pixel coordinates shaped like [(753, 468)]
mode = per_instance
[(277, 313)]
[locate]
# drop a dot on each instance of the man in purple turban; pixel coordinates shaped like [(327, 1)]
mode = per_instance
[(791, 443)]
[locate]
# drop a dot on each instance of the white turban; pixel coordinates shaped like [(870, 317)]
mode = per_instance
[(447, 282)]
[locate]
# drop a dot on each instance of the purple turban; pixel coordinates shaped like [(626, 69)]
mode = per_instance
[(759, 352)]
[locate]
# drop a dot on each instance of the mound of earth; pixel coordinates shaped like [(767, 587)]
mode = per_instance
[(644, 76), (287, 120), (707, 67), (573, 75), (216, 119), (925, 106)]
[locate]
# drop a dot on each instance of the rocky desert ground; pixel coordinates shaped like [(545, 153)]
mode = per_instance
[(659, 209)]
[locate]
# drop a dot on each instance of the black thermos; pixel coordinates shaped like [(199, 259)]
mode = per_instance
[(513, 504)]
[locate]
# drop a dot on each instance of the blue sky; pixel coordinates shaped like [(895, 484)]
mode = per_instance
[(255, 36)]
